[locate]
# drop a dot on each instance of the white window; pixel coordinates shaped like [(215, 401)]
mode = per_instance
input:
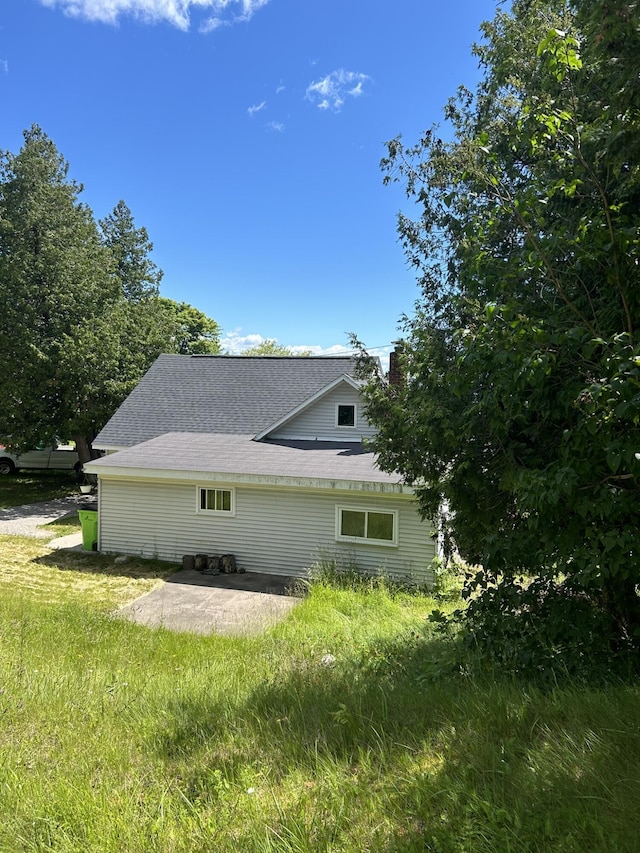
[(366, 525), (218, 501), (346, 415)]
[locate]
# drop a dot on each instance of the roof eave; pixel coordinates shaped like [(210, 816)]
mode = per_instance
[(118, 472)]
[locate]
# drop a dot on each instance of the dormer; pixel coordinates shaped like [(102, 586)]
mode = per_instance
[(334, 413)]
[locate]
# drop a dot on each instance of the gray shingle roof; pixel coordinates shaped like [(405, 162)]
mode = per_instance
[(240, 455), (239, 395)]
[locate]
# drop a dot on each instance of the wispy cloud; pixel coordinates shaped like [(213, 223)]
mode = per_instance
[(330, 92), (4, 66), (177, 12), (314, 349), (276, 126), (234, 342), (256, 108)]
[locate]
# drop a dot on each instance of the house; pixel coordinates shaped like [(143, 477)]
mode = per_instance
[(260, 457)]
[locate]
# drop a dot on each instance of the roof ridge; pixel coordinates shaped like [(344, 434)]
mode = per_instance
[(272, 357)]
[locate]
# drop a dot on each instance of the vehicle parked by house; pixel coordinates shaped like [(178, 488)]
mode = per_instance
[(59, 457)]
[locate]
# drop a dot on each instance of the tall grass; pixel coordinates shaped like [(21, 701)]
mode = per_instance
[(334, 731)]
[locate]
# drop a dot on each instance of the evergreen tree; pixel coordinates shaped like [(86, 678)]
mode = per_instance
[(81, 317), (55, 278), (130, 248)]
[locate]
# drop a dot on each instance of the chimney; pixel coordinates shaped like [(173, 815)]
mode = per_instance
[(396, 373)]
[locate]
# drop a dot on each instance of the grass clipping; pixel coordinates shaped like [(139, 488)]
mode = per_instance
[(30, 567)]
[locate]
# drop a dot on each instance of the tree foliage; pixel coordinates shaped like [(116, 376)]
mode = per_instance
[(81, 317), (191, 331), (55, 275), (130, 249), (270, 346), (521, 405)]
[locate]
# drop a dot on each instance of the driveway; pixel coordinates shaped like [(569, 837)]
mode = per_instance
[(237, 604), (26, 520)]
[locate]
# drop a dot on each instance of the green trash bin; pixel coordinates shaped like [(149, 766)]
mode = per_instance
[(89, 521)]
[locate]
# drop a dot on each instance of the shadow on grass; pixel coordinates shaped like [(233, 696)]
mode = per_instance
[(26, 487), (71, 519), (242, 581), (460, 763), (102, 564)]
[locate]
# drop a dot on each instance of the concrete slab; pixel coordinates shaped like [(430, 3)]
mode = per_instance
[(234, 605), (71, 542)]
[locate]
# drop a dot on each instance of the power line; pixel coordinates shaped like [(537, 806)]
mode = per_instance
[(352, 351)]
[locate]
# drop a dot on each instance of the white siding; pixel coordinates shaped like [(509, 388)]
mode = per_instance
[(279, 531), (319, 420)]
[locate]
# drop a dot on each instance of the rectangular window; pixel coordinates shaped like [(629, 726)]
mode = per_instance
[(375, 527), (345, 415), (216, 500)]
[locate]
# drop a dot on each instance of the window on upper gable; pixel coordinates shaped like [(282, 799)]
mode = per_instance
[(345, 415)]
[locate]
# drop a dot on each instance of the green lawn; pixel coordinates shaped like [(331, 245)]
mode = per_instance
[(63, 526), (26, 487), (118, 738)]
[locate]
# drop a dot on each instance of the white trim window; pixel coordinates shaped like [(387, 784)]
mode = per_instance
[(346, 415), (216, 501), (376, 527)]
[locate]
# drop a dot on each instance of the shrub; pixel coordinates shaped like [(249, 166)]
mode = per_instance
[(543, 629)]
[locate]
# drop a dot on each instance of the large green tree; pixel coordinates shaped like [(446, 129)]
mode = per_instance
[(55, 277), (521, 405), (81, 317), (107, 357), (180, 327), (131, 249), (191, 332)]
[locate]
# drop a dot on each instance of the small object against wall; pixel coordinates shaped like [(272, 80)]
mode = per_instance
[(213, 566), (210, 565), (201, 561), (228, 564)]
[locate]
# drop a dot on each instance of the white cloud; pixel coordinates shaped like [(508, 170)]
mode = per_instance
[(330, 92), (234, 342), (280, 89), (314, 349), (176, 12), (277, 126), (340, 349), (383, 354), (257, 107), (4, 65)]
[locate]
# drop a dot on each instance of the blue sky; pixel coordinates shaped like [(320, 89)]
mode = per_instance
[(246, 135)]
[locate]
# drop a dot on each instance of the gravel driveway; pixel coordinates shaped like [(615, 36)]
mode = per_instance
[(26, 520)]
